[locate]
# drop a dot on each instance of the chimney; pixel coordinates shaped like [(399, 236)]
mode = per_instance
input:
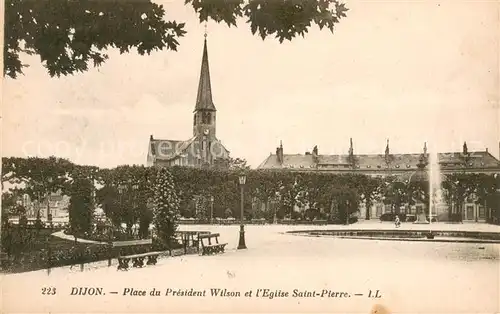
[(151, 137), (486, 149), (315, 153), (279, 153)]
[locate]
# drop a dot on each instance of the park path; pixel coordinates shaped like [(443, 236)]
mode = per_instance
[(62, 235)]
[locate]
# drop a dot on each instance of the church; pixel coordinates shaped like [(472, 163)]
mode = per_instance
[(203, 149)]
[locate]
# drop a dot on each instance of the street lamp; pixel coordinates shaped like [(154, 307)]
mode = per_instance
[(276, 204), (211, 208), (242, 179)]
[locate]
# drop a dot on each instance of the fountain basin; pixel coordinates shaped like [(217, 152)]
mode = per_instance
[(406, 235)]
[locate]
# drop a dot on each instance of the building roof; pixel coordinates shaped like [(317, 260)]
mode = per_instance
[(168, 149), (164, 149), (480, 159), (204, 98)]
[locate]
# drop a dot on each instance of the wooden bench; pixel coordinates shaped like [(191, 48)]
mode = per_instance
[(190, 239), (136, 257), (137, 260), (207, 249)]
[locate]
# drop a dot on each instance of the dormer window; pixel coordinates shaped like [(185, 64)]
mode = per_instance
[(379, 166), (397, 166), (368, 166), (408, 166)]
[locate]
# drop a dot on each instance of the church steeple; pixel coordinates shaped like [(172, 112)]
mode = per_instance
[(204, 98), (204, 123)]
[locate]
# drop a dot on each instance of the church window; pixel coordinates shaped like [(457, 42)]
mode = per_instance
[(194, 122), (206, 118)]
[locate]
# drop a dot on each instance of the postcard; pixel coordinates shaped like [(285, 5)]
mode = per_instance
[(264, 156)]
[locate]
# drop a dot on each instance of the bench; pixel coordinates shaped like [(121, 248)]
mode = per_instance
[(190, 239), (137, 260), (136, 257), (207, 249)]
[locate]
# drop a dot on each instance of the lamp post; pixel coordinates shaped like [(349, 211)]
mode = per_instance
[(211, 208), (109, 227), (49, 211), (276, 204), (121, 190), (347, 213), (242, 179)]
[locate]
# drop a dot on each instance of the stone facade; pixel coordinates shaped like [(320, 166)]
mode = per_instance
[(387, 164)]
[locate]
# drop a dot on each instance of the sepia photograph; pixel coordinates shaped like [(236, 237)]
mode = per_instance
[(250, 156)]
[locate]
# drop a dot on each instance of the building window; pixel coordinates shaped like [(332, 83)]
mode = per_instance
[(482, 212), (194, 120)]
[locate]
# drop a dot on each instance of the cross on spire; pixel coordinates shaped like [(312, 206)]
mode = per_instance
[(205, 30)]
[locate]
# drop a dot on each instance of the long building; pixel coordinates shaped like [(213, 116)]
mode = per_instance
[(387, 164)]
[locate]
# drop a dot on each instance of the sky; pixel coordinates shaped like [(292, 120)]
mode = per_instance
[(407, 71)]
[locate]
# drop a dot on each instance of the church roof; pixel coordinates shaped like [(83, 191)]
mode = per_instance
[(171, 149), (480, 159), (168, 149), (204, 97)]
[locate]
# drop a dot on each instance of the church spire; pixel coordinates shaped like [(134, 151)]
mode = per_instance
[(204, 97)]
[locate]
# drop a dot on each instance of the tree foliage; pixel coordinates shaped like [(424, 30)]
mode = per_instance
[(166, 207), (71, 36), (81, 206), (129, 194)]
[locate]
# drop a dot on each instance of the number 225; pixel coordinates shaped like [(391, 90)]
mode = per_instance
[(49, 291)]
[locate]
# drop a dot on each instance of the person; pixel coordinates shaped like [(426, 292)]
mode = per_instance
[(397, 222)]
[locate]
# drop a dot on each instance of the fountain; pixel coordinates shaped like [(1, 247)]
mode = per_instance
[(429, 172), (435, 191)]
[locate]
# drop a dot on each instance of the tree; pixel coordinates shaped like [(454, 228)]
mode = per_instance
[(166, 207), (395, 193), (370, 188), (39, 176), (345, 202), (69, 36), (108, 198), (81, 206)]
